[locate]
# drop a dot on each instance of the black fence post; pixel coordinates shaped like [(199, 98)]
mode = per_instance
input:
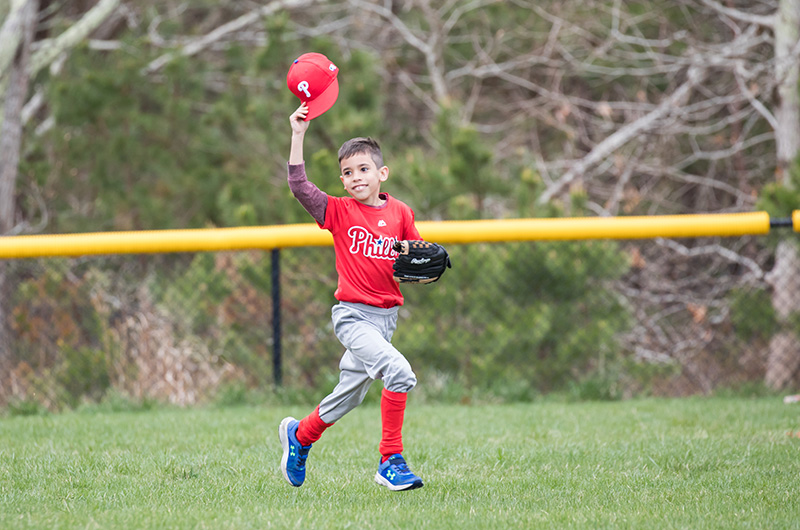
[(276, 317)]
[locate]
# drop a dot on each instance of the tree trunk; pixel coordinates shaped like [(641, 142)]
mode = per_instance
[(783, 359), (10, 140), (17, 67), (10, 34), (787, 72), (11, 130)]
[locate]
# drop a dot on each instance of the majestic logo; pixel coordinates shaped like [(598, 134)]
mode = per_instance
[(381, 223), (363, 242)]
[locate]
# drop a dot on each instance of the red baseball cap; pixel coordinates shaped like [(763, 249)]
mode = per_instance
[(312, 78)]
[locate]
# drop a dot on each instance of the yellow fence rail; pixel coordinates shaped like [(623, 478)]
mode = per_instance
[(304, 235)]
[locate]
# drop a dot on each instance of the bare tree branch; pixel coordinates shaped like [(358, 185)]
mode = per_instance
[(720, 154), (742, 16), (678, 175), (200, 44), (417, 91), (755, 269), (695, 76), (10, 34), (427, 48), (49, 50), (461, 10), (740, 74)]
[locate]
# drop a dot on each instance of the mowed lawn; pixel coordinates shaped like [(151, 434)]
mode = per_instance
[(690, 463)]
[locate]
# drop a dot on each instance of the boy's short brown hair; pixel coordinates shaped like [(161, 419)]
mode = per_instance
[(358, 146)]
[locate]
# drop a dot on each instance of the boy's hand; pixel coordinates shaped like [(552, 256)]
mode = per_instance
[(297, 119)]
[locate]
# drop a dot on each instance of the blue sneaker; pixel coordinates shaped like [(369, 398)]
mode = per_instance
[(293, 462), (395, 475)]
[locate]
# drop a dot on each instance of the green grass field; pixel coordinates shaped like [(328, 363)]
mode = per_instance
[(692, 463)]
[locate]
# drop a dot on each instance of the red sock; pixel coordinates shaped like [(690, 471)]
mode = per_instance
[(393, 407), (311, 428)]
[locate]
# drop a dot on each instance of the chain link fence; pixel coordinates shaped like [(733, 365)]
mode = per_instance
[(510, 321)]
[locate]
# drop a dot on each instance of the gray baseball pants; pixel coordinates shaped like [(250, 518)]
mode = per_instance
[(366, 332)]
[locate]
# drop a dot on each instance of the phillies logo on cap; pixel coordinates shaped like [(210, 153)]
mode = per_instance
[(313, 78)]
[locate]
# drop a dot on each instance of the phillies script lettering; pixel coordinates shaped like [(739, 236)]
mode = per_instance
[(363, 242)]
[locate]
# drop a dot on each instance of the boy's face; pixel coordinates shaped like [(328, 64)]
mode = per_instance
[(362, 178)]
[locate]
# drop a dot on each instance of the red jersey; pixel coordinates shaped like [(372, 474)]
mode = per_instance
[(362, 239)]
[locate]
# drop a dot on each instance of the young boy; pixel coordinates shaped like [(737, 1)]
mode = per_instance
[(364, 226)]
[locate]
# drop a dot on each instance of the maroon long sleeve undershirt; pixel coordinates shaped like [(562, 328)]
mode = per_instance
[(314, 200)]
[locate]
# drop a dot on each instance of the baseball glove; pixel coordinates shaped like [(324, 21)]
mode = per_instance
[(419, 261)]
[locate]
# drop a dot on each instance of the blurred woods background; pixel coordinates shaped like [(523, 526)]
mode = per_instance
[(123, 115)]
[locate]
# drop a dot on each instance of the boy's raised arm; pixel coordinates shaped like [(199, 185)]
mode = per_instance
[(299, 128), (307, 194)]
